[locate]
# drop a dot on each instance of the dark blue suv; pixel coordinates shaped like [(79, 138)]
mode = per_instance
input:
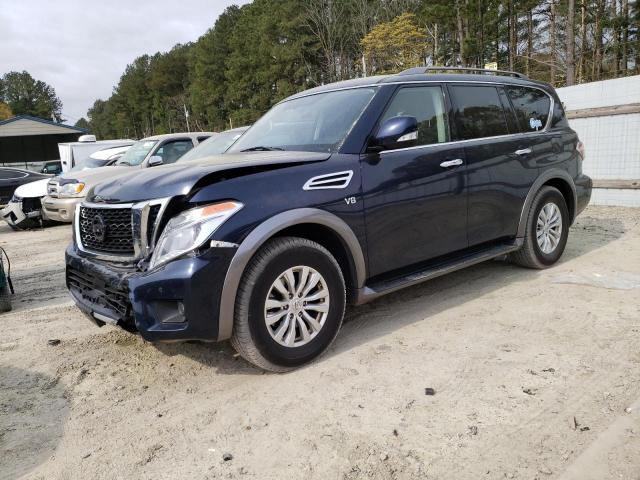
[(336, 196)]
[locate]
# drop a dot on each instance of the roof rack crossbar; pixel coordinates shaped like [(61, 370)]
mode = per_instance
[(482, 71)]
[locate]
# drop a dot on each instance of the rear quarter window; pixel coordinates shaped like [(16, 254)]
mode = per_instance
[(531, 107), (559, 118)]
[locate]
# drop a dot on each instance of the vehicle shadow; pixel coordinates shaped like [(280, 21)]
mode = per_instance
[(221, 356), (414, 304), (33, 410)]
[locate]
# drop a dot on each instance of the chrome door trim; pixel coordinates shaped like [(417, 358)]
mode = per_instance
[(454, 142)]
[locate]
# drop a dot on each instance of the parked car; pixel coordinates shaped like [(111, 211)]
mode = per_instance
[(12, 178), (64, 193), (216, 145), (24, 210), (52, 168), (337, 195)]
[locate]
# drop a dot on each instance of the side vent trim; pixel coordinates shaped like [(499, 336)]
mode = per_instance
[(329, 181)]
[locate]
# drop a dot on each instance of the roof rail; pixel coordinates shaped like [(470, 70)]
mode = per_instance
[(482, 71)]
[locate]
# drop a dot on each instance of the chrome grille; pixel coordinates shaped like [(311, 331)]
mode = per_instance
[(107, 230), (154, 211), (123, 232)]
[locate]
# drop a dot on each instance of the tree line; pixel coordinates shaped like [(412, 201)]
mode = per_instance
[(21, 94), (259, 53)]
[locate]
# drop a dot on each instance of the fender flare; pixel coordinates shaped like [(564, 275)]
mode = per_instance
[(264, 232), (537, 185)]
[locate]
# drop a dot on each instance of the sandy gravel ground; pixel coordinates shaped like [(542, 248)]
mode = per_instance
[(536, 375)]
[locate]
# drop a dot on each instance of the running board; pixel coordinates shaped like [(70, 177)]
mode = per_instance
[(375, 290)]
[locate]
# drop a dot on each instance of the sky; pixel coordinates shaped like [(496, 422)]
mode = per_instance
[(81, 48)]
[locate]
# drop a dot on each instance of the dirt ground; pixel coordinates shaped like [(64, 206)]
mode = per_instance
[(536, 375)]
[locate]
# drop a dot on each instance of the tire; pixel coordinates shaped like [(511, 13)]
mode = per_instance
[(5, 299), (261, 344), (532, 255)]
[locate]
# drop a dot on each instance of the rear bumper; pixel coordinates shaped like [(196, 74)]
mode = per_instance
[(583, 185), (177, 302), (60, 209)]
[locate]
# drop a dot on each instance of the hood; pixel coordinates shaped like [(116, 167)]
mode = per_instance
[(180, 178), (92, 176), (32, 190)]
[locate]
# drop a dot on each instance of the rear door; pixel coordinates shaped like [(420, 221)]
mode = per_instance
[(415, 197), (500, 168)]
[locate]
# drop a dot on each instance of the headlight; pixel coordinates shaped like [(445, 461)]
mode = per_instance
[(191, 229), (16, 199), (71, 190)]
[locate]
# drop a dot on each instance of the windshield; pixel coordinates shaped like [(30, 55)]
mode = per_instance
[(213, 146), (89, 163), (317, 123), (137, 153)]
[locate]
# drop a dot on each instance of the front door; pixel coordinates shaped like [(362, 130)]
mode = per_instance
[(415, 198)]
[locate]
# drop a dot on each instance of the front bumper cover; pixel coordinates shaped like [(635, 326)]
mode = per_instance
[(23, 214), (60, 209), (13, 213), (177, 302)]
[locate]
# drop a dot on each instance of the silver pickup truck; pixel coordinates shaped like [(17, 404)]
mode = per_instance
[(64, 193)]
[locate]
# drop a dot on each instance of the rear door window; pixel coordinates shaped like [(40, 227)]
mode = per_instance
[(478, 112), (426, 104), (531, 107)]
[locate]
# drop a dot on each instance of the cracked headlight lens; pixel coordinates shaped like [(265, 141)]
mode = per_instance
[(190, 229)]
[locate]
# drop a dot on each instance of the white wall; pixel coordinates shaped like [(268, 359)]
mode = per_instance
[(612, 142), (606, 93)]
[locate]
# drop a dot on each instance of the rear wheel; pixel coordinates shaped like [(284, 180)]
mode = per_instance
[(546, 231), (289, 306)]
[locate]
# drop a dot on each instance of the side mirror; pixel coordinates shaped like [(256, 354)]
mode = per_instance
[(397, 132), (155, 160)]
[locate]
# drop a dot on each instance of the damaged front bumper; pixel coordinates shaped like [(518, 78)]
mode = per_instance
[(23, 213), (177, 302)]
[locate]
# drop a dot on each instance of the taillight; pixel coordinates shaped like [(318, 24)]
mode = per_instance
[(580, 149)]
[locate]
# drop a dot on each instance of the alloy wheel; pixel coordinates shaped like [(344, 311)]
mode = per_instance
[(296, 306), (549, 228)]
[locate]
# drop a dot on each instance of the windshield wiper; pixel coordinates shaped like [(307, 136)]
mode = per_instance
[(123, 163), (260, 148)]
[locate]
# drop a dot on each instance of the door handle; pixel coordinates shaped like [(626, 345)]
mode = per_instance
[(452, 163), (523, 151)]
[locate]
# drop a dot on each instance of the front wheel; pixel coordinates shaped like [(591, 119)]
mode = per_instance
[(289, 306), (546, 231)]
